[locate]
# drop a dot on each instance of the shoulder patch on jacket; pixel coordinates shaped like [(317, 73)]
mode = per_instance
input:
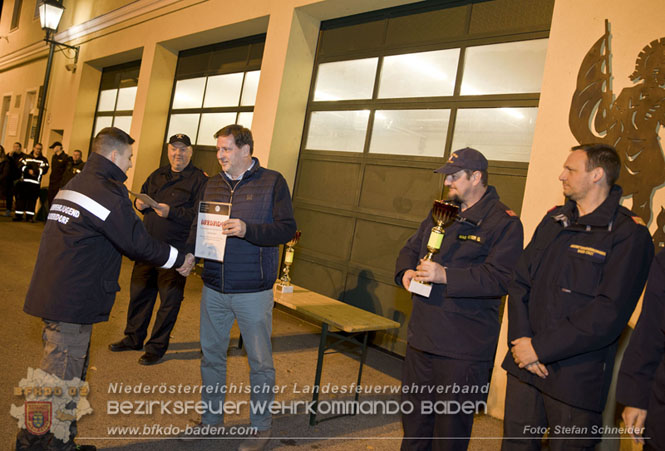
[(511, 213), (638, 220), (552, 209)]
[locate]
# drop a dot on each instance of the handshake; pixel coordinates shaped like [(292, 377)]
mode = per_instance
[(187, 266)]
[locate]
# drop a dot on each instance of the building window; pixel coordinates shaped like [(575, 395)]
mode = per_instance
[(219, 99), (117, 93), (16, 14), (214, 86), (410, 132), (410, 112)]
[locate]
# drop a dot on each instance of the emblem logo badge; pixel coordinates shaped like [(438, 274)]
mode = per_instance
[(38, 417)]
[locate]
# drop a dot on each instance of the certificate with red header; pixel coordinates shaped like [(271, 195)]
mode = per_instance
[(210, 241)]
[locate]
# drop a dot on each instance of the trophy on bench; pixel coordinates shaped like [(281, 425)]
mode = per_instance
[(284, 282)]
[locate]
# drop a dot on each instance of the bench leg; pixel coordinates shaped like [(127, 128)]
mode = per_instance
[(363, 356), (317, 378)]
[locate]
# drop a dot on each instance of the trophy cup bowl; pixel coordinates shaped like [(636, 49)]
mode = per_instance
[(284, 282), (295, 239), (443, 214)]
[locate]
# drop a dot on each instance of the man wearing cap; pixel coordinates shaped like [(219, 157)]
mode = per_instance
[(452, 334), (573, 292), (59, 162), (176, 188)]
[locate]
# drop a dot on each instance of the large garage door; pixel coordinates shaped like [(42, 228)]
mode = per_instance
[(393, 92)]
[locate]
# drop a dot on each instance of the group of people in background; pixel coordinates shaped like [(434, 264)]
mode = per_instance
[(21, 176)]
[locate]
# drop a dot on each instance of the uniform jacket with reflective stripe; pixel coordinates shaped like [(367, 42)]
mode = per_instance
[(262, 200), (460, 319), (90, 225), (39, 166), (575, 288)]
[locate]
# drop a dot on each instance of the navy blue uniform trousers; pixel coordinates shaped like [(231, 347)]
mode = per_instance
[(529, 413), (147, 282), (441, 428)]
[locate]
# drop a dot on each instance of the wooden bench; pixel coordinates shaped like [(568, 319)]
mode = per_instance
[(339, 316)]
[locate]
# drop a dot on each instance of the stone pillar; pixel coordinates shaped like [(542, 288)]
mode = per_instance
[(151, 108), (281, 101)]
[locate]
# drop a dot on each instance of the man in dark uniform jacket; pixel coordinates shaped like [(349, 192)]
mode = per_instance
[(90, 225), (176, 187), (641, 385), (74, 167), (574, 290), (453, 333), (59, 162), (33, 167)]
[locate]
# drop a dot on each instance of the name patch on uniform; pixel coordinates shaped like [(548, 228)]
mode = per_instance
[(596, 254), (474, 238), (66, 210), (58, 217)]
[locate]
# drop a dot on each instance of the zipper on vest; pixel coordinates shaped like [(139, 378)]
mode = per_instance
[(261, 262), (231, 202)]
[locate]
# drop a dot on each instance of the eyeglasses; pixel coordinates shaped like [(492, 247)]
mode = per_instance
[(454, 177)]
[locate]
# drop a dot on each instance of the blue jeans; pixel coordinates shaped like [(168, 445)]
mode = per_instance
[(253, 311)]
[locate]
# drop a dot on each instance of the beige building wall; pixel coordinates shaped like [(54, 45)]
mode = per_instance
[(113, 32), (23, 80), (576, 26)]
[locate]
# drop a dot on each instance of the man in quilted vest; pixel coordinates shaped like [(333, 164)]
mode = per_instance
[(240, 287)]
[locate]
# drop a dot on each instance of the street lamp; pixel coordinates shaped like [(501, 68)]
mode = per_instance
[(50, 13)]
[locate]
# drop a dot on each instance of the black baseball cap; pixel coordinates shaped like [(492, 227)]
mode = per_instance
[(180, 140), (466, 158), (55, 144)]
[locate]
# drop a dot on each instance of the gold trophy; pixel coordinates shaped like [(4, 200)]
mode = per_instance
[(284, 283), (443, 213)]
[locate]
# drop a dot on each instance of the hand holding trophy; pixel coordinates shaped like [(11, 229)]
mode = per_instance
[(284, 282), (443, 213)]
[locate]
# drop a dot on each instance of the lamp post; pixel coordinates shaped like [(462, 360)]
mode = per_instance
[(50, 13)]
